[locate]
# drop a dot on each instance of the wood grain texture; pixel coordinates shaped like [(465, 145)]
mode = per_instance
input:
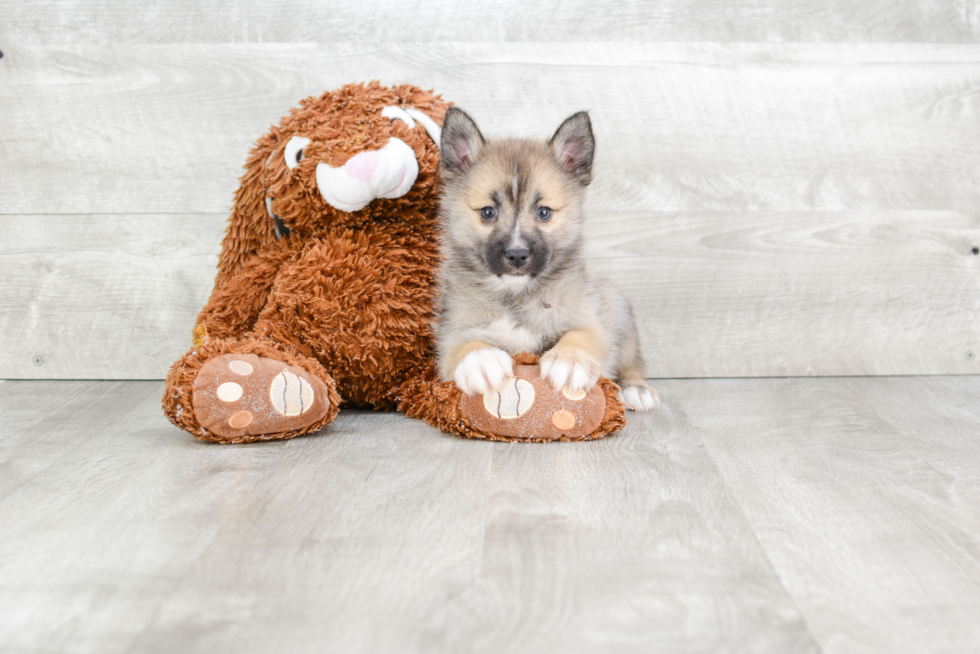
[(865, 494), (102, 297), (786, 294), (773, 515), (379, 534), (716, 294), (185, 21), (680, 127), (98, 525), (770, 209)]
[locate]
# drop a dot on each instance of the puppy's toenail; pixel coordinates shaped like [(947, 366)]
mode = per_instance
[(563, 420), (240, 419), (241, 367), (229, 392)]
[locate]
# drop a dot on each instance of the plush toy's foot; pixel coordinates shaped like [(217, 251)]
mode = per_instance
[(529, 408), (241, 395)]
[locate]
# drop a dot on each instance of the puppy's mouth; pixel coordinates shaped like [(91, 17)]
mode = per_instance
[(516, 278)]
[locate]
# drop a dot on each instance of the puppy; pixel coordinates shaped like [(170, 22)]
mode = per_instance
[(514, 276)]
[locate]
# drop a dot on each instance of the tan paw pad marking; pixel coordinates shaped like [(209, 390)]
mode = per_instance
[(229, 392), (563, 419), (241, 367), (574, 396), (240, 419), (513, 400), (290, 395)]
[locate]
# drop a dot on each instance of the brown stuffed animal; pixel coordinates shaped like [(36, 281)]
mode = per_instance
[(324, 294)]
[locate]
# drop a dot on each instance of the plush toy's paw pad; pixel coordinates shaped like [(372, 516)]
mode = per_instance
[(640, 398), (244, 394), (527, 407), (514, 398)]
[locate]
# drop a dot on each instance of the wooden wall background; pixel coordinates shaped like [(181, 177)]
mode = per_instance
[(784, 187)]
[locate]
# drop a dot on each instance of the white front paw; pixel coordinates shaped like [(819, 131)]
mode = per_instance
[(640, 398), (483, 370), (577, 371)]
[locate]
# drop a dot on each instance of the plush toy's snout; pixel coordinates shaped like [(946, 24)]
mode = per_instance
[(386, 173)]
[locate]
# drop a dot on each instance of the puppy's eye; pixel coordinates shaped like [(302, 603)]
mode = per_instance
[(488, 214), (294, 150), (544, 214)]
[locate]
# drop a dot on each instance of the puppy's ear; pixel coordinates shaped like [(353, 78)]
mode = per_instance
[(574, 145), (461, 142)]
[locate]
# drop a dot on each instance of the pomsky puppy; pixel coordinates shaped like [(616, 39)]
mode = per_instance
[(514, 276)]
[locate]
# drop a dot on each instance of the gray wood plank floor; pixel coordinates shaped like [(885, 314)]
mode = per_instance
[(763, 515)]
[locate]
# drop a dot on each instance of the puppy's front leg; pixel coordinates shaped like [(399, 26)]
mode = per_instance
[(575, 360), (479, 367)]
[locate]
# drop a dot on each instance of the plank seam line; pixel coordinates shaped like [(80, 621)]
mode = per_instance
[(755, 536), (131, 646)]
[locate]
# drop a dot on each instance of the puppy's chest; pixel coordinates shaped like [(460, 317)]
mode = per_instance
[(528, 329)]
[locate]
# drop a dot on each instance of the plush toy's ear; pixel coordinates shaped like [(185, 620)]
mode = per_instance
[(461, 142), (250, 226), (574, 146)]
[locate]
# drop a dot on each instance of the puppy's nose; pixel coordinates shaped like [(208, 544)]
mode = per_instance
[(517, 257)]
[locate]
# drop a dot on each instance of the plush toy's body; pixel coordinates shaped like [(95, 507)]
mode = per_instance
[(324, 292)]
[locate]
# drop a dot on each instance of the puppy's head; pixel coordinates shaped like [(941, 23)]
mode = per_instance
[(513, 209)]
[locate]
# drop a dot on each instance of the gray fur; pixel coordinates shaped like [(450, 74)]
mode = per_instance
[(562, 293)]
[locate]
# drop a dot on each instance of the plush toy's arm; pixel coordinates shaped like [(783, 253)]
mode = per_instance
[(237, 300)]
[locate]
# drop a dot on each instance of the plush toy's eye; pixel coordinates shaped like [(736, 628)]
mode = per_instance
[(409, 115), (433, 130), (397, 113), (294, 150), (544, 214), (488, 214)]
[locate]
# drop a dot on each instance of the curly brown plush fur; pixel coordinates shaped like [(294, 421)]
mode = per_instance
[(345, 297)]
